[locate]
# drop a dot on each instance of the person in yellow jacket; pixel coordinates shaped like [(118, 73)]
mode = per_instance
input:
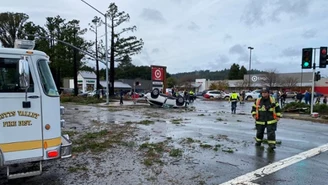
[(191, 96), (234, 98), (266, 112)]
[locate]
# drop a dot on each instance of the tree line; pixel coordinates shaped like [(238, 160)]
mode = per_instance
[(65, 60)]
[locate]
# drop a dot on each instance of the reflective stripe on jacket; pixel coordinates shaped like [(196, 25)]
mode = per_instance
[(266, 111)]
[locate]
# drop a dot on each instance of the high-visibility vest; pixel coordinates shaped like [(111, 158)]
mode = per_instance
[(258, 101), (234, 96)]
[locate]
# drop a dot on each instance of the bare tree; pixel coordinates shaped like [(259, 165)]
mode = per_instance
[(289, 82), (219, 85), (270, 78), (242, 84), (185, 81)]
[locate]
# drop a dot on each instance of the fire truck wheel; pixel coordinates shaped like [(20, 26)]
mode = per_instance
[(180, 101), (154, 93)]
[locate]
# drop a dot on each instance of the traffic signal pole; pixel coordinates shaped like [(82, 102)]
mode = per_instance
[(313, 81)]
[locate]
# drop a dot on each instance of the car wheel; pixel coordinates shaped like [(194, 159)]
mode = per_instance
[(180, 101), (248, 97), (154, 93)]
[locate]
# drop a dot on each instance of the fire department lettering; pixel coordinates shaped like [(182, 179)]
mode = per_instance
[(20, 113), (7, 114), (9, 124), (28, 114), (19, 123)]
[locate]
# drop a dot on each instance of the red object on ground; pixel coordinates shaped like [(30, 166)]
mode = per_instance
[(134, 96)]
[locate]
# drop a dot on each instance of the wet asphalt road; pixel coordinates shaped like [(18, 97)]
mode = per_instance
[(211, 123), (296, 136)]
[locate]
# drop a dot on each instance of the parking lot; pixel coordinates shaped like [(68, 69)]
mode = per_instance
[(204, 144)]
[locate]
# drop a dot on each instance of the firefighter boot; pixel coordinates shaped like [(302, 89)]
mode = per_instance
[(272, 146), (258, 143)]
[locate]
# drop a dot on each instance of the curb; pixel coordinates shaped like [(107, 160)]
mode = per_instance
[(305, 118)]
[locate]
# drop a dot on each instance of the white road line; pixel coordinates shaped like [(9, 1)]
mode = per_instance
[(271, 168)]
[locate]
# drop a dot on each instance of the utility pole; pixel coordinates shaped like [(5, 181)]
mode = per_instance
[(313, 81), (96, 21), (112, 70), (106, 50), (76, 91)]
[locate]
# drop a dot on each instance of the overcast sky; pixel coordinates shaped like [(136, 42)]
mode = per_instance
[(188, 35)]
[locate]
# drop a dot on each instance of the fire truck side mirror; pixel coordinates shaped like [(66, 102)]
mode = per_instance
[(24, 74)]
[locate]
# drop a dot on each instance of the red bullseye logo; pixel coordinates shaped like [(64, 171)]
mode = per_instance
[(158, 73)]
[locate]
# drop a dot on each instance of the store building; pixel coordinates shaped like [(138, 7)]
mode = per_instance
[(288, 81), (86, 81)]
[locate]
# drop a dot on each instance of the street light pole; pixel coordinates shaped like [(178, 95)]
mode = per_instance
[(68, 44), (106, 50), (106, 55), (250, 65)]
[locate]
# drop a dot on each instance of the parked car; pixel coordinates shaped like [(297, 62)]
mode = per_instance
[(199, 94), (291, 94), (213, 94), (253, 95)]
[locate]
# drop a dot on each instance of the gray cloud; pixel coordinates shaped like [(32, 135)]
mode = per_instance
[(221, 62), (309, 33), (243, 54), (211, 26), (176, 1), (193, 26), (227, 37), (237, 49), (222, 59), (145, 58), (155, 50), (258, 12), (152, 15), (291, 52)]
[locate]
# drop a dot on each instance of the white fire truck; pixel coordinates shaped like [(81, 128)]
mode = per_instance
[(30, 111)]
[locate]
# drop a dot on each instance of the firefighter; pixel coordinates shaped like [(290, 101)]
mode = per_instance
[(191, 96), (266, 111), (234, 98)]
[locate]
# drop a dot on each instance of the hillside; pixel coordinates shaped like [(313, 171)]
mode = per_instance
[(212, 75)]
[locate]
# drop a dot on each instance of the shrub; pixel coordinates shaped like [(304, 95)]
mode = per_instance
[(321, 108), (80, 99), (293, 106)]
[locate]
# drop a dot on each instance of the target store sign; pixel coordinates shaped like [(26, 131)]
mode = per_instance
[(157, 73)]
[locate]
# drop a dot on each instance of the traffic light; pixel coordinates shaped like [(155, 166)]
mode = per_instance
[(317, 76), (307, 58), (323, 57)]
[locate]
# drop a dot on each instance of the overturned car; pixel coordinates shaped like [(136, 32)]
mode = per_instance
[(155, 98)]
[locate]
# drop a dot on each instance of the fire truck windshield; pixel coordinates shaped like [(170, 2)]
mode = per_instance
[(47, 82)]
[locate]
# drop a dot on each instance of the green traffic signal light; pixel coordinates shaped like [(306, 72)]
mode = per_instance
[(307, 58)]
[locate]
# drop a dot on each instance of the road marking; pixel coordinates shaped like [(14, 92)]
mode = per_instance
[(271, 168)]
